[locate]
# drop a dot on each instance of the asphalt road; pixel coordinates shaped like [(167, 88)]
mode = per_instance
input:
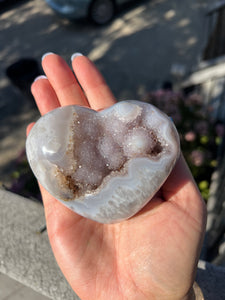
[(135, 53)]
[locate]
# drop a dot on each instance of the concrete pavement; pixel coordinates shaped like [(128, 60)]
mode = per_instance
[(135, 53), (13, 290)]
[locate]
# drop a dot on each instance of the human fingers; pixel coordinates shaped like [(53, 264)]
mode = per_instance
[(63, 81), (92, 82), (29, 127), (44, 95)]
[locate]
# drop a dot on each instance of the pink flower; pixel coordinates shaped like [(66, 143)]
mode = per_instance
[(197, 158), (190, 136)]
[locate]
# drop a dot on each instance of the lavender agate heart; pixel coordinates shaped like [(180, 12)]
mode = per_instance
[(103, 165)]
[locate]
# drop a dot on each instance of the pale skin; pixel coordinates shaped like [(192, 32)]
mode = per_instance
[(154, 254)]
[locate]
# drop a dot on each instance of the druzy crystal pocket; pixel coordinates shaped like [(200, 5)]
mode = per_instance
[(103, 165)]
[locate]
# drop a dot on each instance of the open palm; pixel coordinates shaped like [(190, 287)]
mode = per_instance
[(154, 254)]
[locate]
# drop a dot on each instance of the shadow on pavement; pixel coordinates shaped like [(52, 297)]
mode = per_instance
[(135, 53)]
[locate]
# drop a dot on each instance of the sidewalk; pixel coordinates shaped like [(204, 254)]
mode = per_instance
[(135, 53), (13, 290)]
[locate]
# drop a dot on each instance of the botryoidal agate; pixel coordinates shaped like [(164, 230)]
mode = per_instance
[(103, 165)]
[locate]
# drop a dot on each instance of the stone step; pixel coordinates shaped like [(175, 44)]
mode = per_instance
[(12, 290)]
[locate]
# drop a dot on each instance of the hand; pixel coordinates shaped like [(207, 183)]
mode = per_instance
[(154, 254)]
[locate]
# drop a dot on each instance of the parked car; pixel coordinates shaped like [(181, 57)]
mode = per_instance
[(99, 11)]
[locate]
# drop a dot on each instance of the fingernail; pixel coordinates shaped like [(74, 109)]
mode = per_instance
[(75, 55), (46, 54), (40, 77)]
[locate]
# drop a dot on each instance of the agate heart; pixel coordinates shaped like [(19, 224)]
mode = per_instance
[(103, 165)]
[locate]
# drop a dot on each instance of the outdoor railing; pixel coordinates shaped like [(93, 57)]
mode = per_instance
[(215, 237), (215, 46)]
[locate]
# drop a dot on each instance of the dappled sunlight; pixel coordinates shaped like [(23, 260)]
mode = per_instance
[(12, 18), (153, 24), (20, 24), (149, 22), (134, 52), (49, 29), (170, 14), (191, 41), (135, 12), (133, 22), (184, 22)]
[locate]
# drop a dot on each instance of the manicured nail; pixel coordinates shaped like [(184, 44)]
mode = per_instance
[(46, 54), (75, 55), (40, 77)]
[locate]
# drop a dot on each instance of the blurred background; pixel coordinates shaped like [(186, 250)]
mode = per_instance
[(169, 53)]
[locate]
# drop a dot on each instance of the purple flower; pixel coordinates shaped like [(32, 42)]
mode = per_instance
[(197, 158)]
